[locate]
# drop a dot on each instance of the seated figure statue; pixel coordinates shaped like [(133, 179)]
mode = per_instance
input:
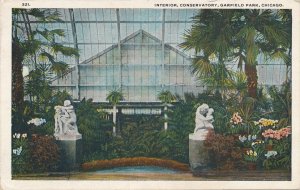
[(203, 121), (65, 120)]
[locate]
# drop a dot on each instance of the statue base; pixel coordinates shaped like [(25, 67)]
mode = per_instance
[(71, 151), (198, 155)]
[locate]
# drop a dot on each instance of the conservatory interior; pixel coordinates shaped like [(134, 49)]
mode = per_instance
[(136, 78)]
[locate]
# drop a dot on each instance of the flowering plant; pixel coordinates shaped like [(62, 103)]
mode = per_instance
[(236, 119), (271, 153), (256, 143), (251, 156), (263, 122), (36, 121), (245, 138), (17, 151), (277, 134), (19, 135), (20, 154)]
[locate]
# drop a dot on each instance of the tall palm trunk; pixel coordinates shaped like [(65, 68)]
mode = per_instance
[(251, 72), (17, 78)]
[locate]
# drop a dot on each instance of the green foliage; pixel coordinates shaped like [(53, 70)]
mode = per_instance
[(46, 111), (37, 49), (221, 36), (38, 89), (20, 155), (283, 159), (46, 129), (238, 83), (247, 110), (114, 97), (95, 130), (166, 97), (147, 139), (281, 101), (218, 79)]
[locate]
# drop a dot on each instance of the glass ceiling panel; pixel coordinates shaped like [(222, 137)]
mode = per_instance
[(97, 29)]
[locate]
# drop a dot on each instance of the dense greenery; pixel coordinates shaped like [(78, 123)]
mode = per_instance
[(144, 135), (38, 49), (239, 36), (96, 130)]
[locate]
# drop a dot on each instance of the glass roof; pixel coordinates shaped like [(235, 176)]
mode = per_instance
[(97, 29)]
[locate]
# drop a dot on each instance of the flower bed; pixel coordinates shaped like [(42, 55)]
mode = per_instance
[(265, 143), (137, 161)]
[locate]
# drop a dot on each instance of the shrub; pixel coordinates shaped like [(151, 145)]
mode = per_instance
[(223, 151), (45, 153)]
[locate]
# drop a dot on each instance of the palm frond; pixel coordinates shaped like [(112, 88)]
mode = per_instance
[(59, 67), (202, 67), (115, 96), (68, 51), (166, 97)]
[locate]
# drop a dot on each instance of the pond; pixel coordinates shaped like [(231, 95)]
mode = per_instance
[(139, 169)]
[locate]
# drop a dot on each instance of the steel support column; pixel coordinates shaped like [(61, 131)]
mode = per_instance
[(77, 72), (163, 49), (119, 48)]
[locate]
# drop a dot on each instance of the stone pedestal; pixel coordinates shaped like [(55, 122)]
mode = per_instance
[(71, 151), (198, 155)]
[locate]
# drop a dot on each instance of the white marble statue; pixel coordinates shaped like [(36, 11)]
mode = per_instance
[(65, 120), (203, 121)]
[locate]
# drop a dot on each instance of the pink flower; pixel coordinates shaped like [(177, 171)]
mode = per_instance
[(277, 134)]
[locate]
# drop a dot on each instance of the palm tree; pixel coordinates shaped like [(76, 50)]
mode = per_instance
[(286, 16), (35, 46), (166, 97), (114, 97), (236, 36), (238, 85), (215, 76)]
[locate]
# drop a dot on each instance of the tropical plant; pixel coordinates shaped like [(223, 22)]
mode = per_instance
[(280, 156), (166, 97), (35, 46), (37, 87), (238, 85), (95, 130), (215, 76), (281, 101), (286, 17), (114, 97), (237, 36)]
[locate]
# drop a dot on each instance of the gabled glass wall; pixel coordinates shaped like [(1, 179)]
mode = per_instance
[(140, 68)]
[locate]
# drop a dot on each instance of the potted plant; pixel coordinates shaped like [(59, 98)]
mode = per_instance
[(251, 159)]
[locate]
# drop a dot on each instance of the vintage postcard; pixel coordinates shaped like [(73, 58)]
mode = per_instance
[(150, 94)]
